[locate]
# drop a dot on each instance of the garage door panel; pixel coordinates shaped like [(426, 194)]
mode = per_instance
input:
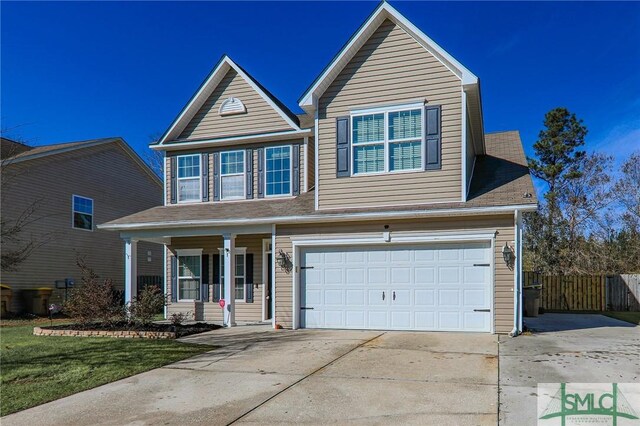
[(425, 298), (436, 286), (424, 275), (400, 276), (377, 276)]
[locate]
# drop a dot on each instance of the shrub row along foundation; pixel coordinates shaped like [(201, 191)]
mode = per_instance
[(39, 331)]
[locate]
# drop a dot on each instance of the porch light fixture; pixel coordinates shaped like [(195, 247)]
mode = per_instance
[(508, 255), (284, 261)]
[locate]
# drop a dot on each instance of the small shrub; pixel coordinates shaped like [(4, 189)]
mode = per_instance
[(95, 300), (177, 318), (149, 302)]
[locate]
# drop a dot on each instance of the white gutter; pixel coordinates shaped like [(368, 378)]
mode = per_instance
[(517, 275), (316, 218), (265, 137)]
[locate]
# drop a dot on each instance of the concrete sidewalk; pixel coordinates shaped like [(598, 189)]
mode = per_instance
[(258, 375)]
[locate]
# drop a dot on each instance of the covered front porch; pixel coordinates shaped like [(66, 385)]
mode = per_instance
[(222, 275)]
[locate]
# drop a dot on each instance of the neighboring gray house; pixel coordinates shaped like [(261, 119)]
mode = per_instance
[(384, 206), (74, 187)]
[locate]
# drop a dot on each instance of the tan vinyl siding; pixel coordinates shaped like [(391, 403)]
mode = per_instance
[(118, 187), (471, 154), (259, 118), (210, 245), (254, 148), (504, 280), (391, 68)]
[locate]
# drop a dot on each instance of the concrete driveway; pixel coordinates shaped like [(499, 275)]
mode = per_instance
[(564, 348), (258, 375)]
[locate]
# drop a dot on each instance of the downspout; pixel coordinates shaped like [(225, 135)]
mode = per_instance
[(517, 276)]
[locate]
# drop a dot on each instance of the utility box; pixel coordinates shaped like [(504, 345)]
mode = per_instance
[(5, 299), (36, 300)]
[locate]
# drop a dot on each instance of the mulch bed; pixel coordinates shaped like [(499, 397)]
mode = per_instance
[(179, 330)]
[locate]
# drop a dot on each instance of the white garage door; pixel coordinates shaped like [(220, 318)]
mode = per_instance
[(419, 287)]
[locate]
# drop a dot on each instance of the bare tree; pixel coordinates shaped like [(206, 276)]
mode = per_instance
[(627, 190), (16, 244)]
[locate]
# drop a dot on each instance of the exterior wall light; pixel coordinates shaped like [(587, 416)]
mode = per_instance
[(284, 261), (508, 255)]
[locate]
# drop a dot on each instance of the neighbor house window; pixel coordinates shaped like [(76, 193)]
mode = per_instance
[(189, 178), (240, 276), (189, 268), (387, 141), (82, 213), (232, 177), (278, 171)]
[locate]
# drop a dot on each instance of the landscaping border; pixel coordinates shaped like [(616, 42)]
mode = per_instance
[(127, 334)]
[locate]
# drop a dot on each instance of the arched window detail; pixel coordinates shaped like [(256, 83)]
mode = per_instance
[(232, 106)]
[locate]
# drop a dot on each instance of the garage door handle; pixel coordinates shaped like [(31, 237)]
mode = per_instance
[(482, 310), (306, 267), (481, 264), (394, 295), (383, 295), (306, 309)]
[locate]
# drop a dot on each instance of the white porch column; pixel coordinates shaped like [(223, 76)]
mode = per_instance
[(130, 270), (229, 319)]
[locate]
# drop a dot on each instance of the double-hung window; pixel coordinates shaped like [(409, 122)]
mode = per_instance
[(82, 213), (240, 276), (387, 141), (278, 171), (189, 178), (189, 267), (232, 179)]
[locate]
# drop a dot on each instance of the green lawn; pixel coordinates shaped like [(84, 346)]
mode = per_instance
[(38, 369), (632, 317)]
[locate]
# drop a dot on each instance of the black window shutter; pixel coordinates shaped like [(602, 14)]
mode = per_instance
[(260, 172), (205, 176), (216, 176), (249, 276), (296, 169), (205, 277), (343, 163), (217, 285), (174, 180), (249, 173), (174, 279), (434, 137)]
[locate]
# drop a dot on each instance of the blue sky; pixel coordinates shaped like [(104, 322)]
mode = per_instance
[(81, 70)]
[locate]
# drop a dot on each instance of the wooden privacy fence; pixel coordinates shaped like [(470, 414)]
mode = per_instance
[(587, 292)]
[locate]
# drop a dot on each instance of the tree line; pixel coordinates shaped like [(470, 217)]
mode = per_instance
[(588, 221)]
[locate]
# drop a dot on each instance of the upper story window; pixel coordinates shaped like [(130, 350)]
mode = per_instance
[(278, 171), (239, 285), (387, 141), (232, 179), (189, 178), (82, 213)]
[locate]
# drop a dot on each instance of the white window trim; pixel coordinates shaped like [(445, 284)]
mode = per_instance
[(73, 212), (244, 171), (385, 111), (188, 253), (198, 178), (243, 252), (290, 147)]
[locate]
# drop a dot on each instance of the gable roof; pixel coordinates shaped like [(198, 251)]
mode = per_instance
[(383, 12), (51, 150), (470, 83), (207, 88)]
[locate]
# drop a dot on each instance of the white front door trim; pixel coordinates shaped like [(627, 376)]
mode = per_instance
[(389, 238)]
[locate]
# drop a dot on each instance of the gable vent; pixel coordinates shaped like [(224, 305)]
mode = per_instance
[(232, 106)]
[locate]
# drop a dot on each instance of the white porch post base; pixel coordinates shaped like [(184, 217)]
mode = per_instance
[(130, 270), (229, 316)]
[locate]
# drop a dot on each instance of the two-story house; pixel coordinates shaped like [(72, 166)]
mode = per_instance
[(54, 196), (384, 206)]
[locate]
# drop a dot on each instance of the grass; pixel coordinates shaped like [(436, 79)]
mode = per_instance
[(632, 317), (39, 369)]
